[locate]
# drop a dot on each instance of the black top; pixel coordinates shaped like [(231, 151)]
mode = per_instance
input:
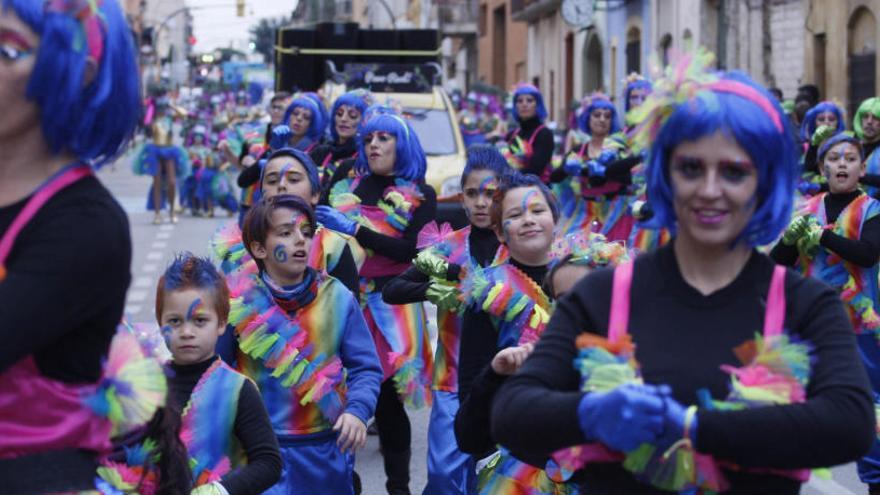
[(870, 147), (682, 338), (411, 285), (252, 429), (370, 191), (336, 151), (473, 432), (864, 252), (619, 171), (479, 343), (68, 273), (250, 175), (542, 146)]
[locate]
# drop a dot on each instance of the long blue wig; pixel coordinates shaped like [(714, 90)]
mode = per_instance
[(639, 83), (410, 162), (528, 89), (318, 123), (808, 127), (94, 121), (599, 102), (358, 99), (771, 149)]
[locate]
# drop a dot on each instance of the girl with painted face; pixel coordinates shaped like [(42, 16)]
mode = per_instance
[(69, 86), (693, 385), (346, 116), (529, 146), (384, 206), (306, 122), (835, 237), (437, 276)]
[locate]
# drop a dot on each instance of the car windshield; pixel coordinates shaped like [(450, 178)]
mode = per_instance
[(434, 129)]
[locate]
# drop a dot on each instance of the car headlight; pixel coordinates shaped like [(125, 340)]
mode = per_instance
[(450, 187)]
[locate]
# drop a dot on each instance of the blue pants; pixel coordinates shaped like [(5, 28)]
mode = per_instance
[(450, 471), (869, 349), (313, 465)]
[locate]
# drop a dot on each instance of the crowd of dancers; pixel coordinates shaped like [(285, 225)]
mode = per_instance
[(615, 318)]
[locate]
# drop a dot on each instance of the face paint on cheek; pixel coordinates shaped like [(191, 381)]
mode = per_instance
[(279, 254), (505, 229), (195, 306), (166, 334)]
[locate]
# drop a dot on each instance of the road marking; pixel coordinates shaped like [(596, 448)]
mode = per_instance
[(143, 282), (167, 227), (149, 267), (137, 296), (154, 256), (159, 245), (132, 310), (163, 235)]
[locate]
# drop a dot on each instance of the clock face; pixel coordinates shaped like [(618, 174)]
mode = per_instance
[(578, 13)]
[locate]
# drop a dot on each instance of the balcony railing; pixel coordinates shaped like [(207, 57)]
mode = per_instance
[(530, 10), (457, 16)]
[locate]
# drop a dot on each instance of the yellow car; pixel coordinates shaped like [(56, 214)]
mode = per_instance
[(434, 119)]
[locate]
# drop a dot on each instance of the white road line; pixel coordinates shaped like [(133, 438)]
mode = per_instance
[(166, 227), (163, 235), (154, 256), (137, 296), (143, 282), (159, 245), (132, 310), (149, 267)]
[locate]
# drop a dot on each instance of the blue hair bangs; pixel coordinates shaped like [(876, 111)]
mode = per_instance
[(809, 125), (92, 121), (316, 126), (637, 84), (772, 152), (187, 268), (352, 99), (599, 104), (410, 162), (541, 110), (485, 157), (303, 158)]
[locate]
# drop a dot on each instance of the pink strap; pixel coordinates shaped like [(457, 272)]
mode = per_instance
[(44, 193), (618, 321), (774, 316), (326, 161)]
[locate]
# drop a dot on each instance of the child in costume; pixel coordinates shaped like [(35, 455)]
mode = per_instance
[(726, 409), (445, 258), (384, 206), (346, 117), (529, 147), (866, 124), (224, 424), (301, 336), (835, 237), (820, 123), (65, 246)]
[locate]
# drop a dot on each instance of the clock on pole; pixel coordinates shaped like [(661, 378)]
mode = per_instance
[(578, 13)]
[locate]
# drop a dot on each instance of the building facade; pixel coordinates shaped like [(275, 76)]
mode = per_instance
[(502, 45)]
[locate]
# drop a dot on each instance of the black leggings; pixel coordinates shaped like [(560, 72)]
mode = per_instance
[(391, 420)]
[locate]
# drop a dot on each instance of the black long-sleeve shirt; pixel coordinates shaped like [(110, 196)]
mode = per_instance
[(619, 171), (336, 151), (542, 145), (479, 343), (682, 338), (473, 431), (67, 276), (252, 428), (864, 251)]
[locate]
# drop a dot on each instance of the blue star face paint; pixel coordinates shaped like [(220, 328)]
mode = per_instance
[(195, 306), (279, 254), (166, 334)]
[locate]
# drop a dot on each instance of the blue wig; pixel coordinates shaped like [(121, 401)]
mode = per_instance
[(410, 163), (485, 157), (318, 123), (836, 139), (94, 121), (300, 156), (515, 180), (599, 102), (358, 99), (765, 138), (639, 83), (322, 108), (528, 89), (809, 125)]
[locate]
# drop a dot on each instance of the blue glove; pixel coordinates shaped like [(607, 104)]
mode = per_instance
[(674, 419), (595, 168), (281, 135), (607, 157), (334, 220), (573, 167), (623, 418)]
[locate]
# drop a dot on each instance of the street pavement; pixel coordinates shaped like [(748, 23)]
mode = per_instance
[(154, 247)]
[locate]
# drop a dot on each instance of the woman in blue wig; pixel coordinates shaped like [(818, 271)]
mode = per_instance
[(529, 146), (384, 206), (346, 116), (69, 86), (821, 122), (306, 121), (702, 365)]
